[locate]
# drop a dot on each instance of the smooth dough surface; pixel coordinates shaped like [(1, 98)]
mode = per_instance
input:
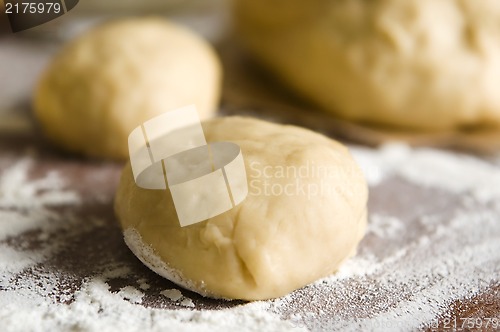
[(424, 64), (114, 77), (309, 219)]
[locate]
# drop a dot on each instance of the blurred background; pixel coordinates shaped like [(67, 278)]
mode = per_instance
[(24, 54), (255, 83)]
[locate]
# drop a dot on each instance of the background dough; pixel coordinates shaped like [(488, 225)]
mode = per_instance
[(113, 78), (425, 64), (269, 245)]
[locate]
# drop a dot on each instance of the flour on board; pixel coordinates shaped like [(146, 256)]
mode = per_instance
[(409, 268)]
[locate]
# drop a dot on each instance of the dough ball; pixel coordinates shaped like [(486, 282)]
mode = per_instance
[(304, 214), (423, 64), (118, 75)]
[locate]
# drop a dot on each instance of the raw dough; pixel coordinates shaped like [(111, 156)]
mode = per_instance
[(113, 78), (270, 244), (425, 64)]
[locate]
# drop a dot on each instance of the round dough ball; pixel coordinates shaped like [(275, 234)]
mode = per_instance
[(424, 64), (304, 214), (118, 75)]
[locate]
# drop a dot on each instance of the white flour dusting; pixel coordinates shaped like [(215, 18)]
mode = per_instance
[(385, 226), (175, 295), (21, 193), (428, 274), (131, 294), (30, 304), (456, 173), (150, 259), (172, 294), (186, 302), (143, 284), (408, 270)]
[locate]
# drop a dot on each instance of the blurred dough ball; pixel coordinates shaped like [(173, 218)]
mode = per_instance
[(425, 64), (113, 78), (305, 213)]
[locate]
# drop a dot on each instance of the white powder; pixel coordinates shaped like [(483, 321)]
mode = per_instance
[(412, 277), (13, 261), (131, 294), (415, 284), (187, 303), (385, 226), (146, 254), (378, 164), (175, 295), (409, 269), (23, 203), (172, 294), (143, 284), (454, 172), (18, 192), (28, 291)]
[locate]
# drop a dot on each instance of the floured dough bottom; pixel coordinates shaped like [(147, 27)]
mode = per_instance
[(149, 258)]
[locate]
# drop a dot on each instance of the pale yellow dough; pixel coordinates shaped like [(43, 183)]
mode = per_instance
[(118, 75), (270, 244), (425, 64)]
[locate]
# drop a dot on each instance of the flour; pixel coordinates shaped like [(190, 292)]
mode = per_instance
[(454, 172), (12, 261), (187, 303), (450, 258), (147, 256), (172, 294), (23, 202), (36, 299), (408, 270), (143, 284), (175, 295), (18, 192), (413, 285), (385, 226), (131, 294), (23, 205)]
